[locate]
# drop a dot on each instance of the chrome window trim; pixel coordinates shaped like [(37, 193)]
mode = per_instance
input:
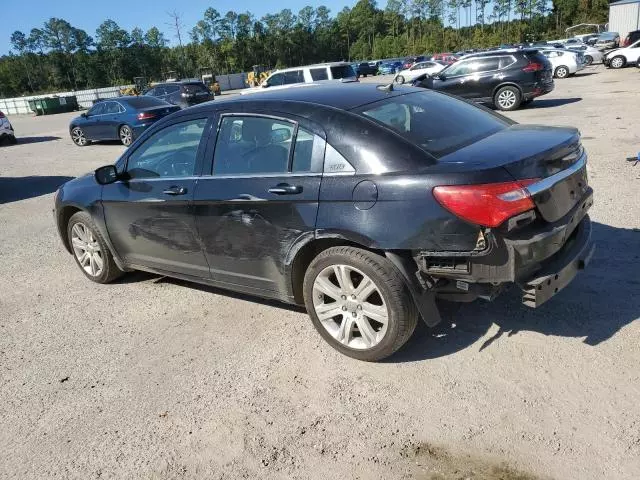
[(549, 182)]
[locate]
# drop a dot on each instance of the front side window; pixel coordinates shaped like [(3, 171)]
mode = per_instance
[(319, 74), (252, 145), (437, 123), (276, 80), (170, 152), (97, 109), (460, 68)]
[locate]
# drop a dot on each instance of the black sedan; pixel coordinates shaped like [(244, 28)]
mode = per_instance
[(122, 118), (362, 203)]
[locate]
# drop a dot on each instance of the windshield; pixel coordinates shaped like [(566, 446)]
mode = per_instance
[(437, 123), (342, 71), (146, 102)]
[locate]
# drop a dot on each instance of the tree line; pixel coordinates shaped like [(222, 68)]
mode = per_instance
[(60, 56)]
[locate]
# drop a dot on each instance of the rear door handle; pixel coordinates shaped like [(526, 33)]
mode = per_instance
[(286, 189), (175, 191)]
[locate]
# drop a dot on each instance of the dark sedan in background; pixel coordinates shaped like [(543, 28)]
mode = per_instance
[(184, 93), (122, 118), (363, 203)]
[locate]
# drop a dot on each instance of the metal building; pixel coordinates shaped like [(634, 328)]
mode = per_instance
[(624, 17)]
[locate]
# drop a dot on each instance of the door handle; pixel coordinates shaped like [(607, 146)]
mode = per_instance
[(286, 189), (175, 191)]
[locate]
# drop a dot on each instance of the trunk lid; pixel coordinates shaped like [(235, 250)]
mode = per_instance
[(553, 155), (160, 111)]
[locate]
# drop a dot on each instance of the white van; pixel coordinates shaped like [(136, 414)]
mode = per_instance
[(309, 74)]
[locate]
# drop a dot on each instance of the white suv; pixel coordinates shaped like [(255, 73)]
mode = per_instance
[(564, 62), (623, 56), (309, 74), (6, 130)]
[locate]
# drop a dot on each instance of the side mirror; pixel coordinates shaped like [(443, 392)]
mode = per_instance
[(106, 175), (280, 135), (84, 115)]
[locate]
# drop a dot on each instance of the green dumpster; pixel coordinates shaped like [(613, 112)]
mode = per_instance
[(51, 105)]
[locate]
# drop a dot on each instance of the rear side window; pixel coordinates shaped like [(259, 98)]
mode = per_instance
[(171, 89), (191, 88), (146, 102), (111, 108), (319, 74), (342, 71), (437, 123), (487, 64), (295, 76)]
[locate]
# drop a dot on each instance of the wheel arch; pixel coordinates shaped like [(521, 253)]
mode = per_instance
[(64, 216), (506, 84)]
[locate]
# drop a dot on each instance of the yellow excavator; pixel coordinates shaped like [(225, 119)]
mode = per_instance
[(140, 85), (258, 75), (209, 79)]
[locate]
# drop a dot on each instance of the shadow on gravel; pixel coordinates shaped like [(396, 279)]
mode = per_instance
[(28, 140), (600, 301), (585, 74), (552, 102), (13, 189)]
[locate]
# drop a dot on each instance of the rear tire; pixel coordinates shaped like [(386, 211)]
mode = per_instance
[(617, 62), (86, 244), (507, 98), (561, 72), (588, 60), (370, 297)]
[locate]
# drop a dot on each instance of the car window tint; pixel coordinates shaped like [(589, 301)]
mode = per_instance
[(171, 89), (342, 71), (294, 76), (111, 108), (437, 123), (460, 68), (160, 91), (308, 146), (487, 64), (276, 79), (319, 74), (97, 109), (252, 145), (170, 152), (506, 61), (150, 92), (145, 102)]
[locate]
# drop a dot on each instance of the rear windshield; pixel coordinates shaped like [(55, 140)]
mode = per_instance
[(342, 71), (192, 88), (146, 102), (437, 123)]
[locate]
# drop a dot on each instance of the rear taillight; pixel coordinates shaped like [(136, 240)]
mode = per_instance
[(533, 67), (487, 204), (146, 115)]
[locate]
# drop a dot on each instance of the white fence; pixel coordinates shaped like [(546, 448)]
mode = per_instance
[(85, 99)]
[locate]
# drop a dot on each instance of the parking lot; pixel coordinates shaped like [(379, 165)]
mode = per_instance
[(155, 378)]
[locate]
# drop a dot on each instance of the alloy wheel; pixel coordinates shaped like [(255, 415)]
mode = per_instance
[(588, 60), (87, 249), (350, 306), (507, 99), (126, 136), (77, 135), (617, 62), (562, 72)]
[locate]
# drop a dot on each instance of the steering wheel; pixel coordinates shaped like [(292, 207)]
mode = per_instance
[(179, 164)]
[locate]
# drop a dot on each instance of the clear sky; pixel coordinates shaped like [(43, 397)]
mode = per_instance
[(24, 15)]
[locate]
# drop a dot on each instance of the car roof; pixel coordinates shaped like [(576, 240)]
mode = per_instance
[(343, 96), (315, 65), (502, 51)]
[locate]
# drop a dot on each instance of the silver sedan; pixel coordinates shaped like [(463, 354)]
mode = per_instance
[(591, 54)]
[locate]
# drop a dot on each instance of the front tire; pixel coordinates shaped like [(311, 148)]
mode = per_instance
[(507, 98), (359, 303), (617, 62), (90, 251), (126, 135), (561, 72), (78, 137)]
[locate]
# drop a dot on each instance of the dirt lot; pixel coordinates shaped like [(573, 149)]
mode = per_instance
[(154, 378)]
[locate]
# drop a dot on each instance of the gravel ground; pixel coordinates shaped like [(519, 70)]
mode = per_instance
[(155, 378)]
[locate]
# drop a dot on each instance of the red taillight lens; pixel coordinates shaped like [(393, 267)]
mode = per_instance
[(487, 204), (533, 67), (146, 115)]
